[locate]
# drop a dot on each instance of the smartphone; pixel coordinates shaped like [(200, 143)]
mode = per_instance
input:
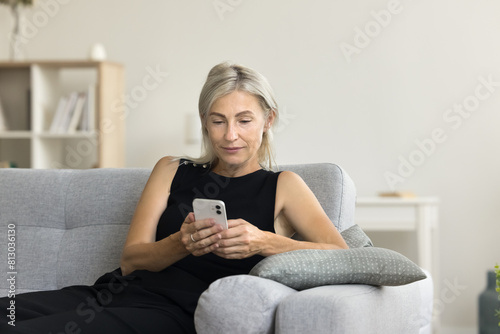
[(210, 208)]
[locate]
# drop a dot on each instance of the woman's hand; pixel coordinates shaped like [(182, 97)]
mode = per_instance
[(200, 237), (240, 240)]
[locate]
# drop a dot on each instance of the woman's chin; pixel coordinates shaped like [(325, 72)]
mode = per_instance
[(234, 160), (231, 161)]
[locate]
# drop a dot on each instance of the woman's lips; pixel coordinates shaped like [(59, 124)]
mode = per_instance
[(232, 149)]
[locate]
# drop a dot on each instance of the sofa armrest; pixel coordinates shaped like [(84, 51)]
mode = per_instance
[(353, 308), (240, 304)]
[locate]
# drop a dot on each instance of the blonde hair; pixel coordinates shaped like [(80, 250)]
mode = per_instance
[(224, 79)]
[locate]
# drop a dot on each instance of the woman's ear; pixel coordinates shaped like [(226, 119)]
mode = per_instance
[(270, 120)]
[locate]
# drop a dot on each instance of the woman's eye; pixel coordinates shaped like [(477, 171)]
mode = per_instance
[(245, 121)]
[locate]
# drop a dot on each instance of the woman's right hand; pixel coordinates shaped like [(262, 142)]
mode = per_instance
[(200, 237)]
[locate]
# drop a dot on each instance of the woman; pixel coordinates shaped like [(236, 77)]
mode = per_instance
[(169, 257)]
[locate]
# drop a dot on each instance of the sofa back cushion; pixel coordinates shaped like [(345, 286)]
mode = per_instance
[(70, 225)]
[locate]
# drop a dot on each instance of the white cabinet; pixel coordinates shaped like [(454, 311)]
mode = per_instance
[(418, 215), (30, 93)]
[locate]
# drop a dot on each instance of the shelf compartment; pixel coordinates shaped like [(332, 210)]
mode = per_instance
[(16, 150), (15, 96), (66, 153), (51, 84)]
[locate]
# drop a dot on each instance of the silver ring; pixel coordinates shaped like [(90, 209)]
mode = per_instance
[(192, 238)]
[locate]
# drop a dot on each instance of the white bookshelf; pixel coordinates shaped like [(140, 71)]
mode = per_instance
[(30, 93)]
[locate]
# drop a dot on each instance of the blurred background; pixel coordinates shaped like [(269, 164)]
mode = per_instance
[(404, 95)]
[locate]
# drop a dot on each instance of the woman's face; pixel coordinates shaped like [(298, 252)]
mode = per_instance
[(235, 124)]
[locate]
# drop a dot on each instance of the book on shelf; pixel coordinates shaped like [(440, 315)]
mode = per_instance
[(75, 112), (3, 119), (91, 93), (65, 107), (58, 115), (87, 122)]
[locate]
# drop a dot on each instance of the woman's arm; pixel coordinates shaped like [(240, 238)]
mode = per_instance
[(141, 251), (302, 213), (296, 210)]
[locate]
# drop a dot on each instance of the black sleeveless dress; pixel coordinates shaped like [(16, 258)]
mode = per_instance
[(250, 197), (155, 302)]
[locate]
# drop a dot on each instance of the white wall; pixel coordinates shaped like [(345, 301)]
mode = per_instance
[(365, 114)]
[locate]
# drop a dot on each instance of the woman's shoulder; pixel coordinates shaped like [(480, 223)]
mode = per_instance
[(290, 183), (165, 169), (167, 164), (289, 178), (176, 170), (290, 190)]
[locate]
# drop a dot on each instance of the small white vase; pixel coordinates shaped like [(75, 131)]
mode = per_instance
[(97, 52)]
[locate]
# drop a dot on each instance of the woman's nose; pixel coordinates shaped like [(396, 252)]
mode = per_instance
[(231, 133)]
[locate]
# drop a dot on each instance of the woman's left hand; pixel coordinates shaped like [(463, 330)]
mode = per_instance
[(240, 240)]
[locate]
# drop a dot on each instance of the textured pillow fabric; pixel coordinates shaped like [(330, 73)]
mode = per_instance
[(308, 268), (355, 237)]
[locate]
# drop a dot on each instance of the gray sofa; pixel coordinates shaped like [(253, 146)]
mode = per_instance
[(70, 226)]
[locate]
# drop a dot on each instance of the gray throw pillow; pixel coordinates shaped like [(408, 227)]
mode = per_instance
[(355, 237), (308, 268)]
